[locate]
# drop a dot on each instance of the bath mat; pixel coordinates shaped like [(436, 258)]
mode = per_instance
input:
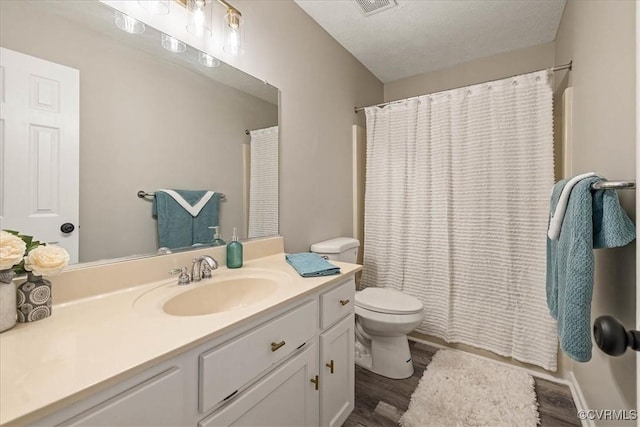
[(459, 389)]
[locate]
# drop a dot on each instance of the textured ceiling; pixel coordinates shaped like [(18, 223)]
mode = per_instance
[(418, 36)]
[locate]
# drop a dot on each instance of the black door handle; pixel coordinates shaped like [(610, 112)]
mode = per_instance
[(612, 337), (67, 228)]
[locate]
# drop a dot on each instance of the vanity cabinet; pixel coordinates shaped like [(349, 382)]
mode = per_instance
[(293, 366), (285, 397), (338, 370), (337, 366), (225, 369)]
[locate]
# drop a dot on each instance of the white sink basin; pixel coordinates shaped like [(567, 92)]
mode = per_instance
[(226, 291), (222, 295)]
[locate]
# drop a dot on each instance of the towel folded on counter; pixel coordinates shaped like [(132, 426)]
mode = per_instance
[(308, 264), (593, 219)]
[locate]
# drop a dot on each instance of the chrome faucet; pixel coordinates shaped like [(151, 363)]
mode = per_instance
[(196, 270)]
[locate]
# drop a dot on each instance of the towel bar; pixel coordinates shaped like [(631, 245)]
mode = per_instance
[(613, 185), (142, 194)]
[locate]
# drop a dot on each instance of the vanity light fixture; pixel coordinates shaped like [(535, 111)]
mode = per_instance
[(172, 44), (200, 17), (233, 30), (208, 60), (128, 24), (155, 7), (200, 14)]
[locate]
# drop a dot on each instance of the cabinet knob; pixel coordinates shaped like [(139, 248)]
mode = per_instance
[(315, 381), (276, 345), (330, 366), (344, 301)]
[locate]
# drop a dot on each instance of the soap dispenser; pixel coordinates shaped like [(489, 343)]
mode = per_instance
[(217, 239), (234, 251)]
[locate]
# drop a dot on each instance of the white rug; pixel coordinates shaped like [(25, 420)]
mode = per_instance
[(459, 389)]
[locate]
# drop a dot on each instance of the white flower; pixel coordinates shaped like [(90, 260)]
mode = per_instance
[(46, 260), (11, 250)]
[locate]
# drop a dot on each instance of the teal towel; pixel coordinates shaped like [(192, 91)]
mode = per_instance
[(593, 219), (308, 264), (176, 227)]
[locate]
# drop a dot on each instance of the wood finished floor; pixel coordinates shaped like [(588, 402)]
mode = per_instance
[(381, 401)]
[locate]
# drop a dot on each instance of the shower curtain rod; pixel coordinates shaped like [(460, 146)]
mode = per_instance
[(384, 104)]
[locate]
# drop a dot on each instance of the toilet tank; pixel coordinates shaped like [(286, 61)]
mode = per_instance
[(340, 249)]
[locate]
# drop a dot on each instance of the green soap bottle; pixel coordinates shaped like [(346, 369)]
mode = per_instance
[(217, 239), (234, 251)]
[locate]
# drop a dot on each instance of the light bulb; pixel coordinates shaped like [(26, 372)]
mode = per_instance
[(198, 22), (199, 18), (232, 45), (233, 33), (128, 24)]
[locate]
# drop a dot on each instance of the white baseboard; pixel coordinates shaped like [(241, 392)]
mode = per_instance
[(571, 382), (578, 399)]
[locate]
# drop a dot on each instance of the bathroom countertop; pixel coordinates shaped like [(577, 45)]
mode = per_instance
[(48, 364)]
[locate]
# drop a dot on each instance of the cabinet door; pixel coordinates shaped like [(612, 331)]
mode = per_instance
[(154, 402), (337, 373), (285, 397)]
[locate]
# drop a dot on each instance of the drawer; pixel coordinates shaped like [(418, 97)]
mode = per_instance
[(284, 397), (337, 303), (154, 402), (227, 368)]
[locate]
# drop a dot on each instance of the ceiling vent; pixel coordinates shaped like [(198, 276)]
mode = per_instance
[(370, 7)]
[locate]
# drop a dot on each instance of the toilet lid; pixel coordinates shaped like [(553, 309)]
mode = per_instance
[(387, 300)]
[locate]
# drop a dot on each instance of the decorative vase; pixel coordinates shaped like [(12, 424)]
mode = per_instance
[(34, 299), (7, 300)]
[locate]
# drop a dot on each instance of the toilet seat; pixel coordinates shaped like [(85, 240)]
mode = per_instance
[(388, 301)]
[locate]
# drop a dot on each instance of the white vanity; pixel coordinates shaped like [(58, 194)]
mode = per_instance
[(117, 358)]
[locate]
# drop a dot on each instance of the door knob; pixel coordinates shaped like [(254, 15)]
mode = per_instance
[(67, 228), (612, 337)]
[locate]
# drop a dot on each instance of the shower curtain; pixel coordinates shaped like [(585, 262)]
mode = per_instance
[(456, 209), (263, 183)]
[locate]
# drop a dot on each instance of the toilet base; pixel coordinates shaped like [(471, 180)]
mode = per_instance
[(390, 357)]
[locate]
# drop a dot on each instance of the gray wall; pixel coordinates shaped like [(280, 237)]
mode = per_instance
[(491, 68), (144, 124), (320, 84), (600, 38)]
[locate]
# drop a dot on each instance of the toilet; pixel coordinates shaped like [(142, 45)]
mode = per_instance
[(384, 317)]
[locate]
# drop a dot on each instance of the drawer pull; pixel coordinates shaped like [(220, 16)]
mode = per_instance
[(276, 345), (344, 301), (330, 366), (315, 381)]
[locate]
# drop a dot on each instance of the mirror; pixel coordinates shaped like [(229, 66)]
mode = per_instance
[(148, 119)]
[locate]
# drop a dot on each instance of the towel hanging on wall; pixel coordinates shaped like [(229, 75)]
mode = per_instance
[(178, 227), (592, 220)]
